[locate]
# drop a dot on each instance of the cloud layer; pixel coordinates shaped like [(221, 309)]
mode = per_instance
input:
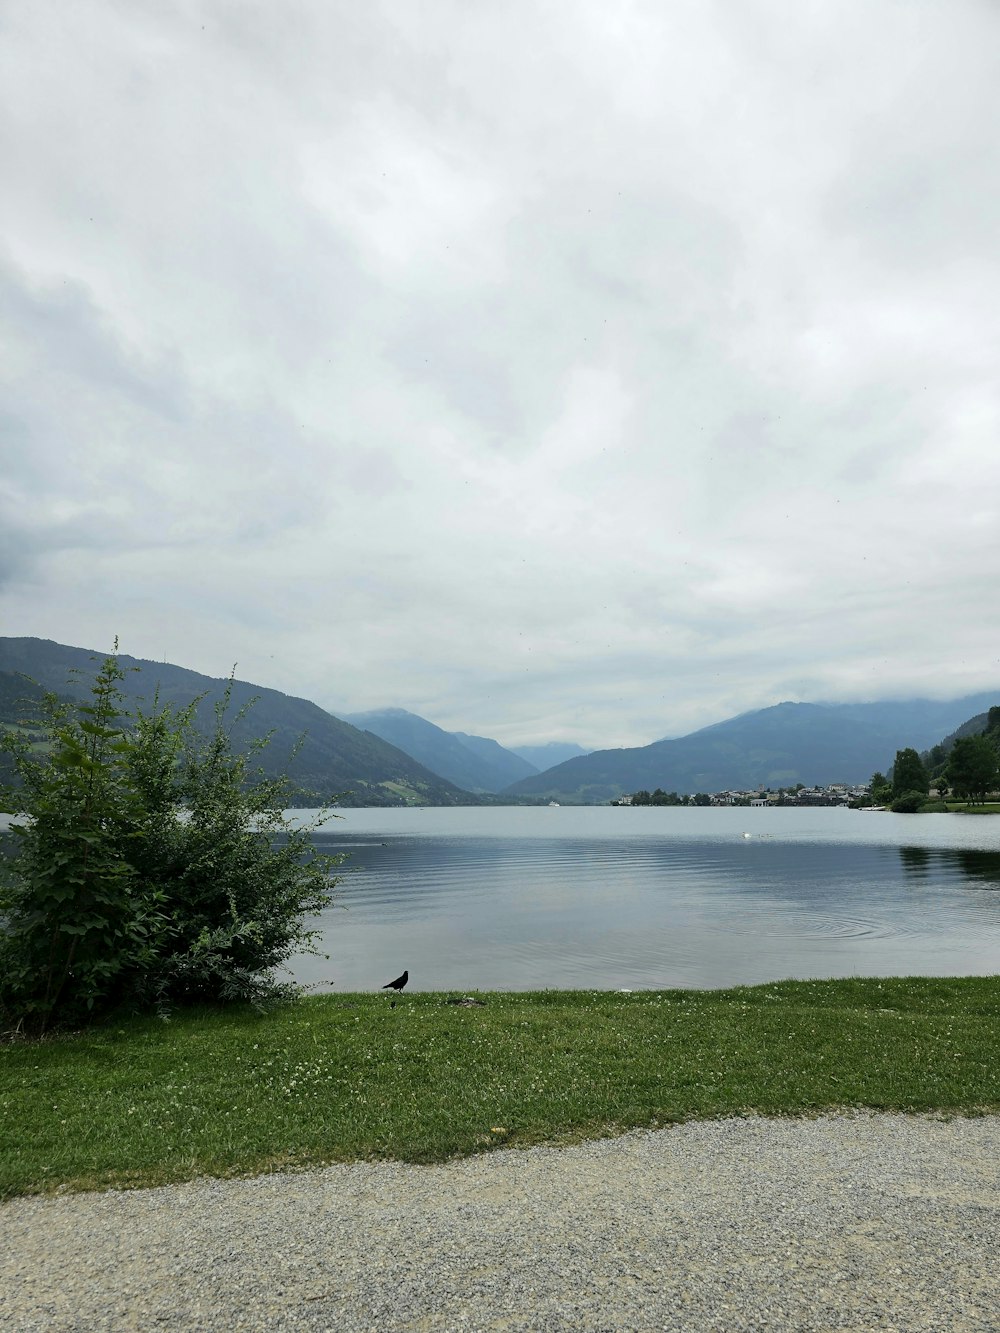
[(569, 371)]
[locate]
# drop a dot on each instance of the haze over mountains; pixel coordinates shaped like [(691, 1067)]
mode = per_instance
[(393, 757), (473, 762), (546, 756)]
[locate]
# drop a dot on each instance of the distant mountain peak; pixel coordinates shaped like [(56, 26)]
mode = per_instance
[(474, 763)]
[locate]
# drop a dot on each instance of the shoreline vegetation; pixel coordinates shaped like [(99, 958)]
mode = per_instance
[(230, 1091)]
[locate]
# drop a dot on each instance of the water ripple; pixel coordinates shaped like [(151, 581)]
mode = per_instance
[(652, 908)]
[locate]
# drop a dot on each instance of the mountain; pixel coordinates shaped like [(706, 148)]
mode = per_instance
[(335, 759), (546, 756), (773, 747), (975, 726), (988, 723), (15, 691), (17, 695), (473, 762), (503, 766)]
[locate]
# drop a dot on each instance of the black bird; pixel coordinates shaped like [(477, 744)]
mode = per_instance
[(398, 984)]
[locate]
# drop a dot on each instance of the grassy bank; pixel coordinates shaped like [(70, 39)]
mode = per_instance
[(344, 1077)]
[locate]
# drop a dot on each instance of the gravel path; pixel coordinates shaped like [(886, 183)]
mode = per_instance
[(849, 1222)]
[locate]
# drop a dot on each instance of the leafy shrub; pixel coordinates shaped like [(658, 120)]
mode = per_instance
[(152, 869), (933, 807), (909, 803)]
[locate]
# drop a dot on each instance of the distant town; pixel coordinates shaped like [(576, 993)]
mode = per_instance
[(835, 794)]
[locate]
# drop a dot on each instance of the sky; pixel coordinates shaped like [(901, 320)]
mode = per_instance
[(583, 370)]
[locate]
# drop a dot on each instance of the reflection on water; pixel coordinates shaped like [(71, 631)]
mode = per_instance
[(980, 869), (974, 869), (916, 860), (598, 898)]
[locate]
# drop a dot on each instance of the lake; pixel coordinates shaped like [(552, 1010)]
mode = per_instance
[(604, 897)]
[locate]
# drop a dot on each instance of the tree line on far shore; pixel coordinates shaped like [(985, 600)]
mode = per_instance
[(661, 797)]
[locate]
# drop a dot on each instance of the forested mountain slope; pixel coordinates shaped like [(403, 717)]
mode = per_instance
[(335, 758)]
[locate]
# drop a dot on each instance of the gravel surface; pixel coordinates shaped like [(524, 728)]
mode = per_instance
[(846, 1222)]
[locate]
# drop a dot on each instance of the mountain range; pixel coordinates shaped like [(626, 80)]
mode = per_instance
[(772, 747), (548, 755), (334, 759), (393, 757), (473, 762), (476, 763)]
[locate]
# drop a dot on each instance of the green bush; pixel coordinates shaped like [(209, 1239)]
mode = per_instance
[(153, 867), (909, 803), (933, 808)]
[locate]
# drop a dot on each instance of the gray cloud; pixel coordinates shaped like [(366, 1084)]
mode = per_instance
[(576, 371)]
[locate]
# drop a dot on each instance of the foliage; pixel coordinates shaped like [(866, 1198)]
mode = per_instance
[(881, 789), (908, 803), (658, 797), (936, 760), (973, 767), (152, 869), (909, 774)]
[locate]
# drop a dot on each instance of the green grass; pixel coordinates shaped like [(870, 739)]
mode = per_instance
[(343, 1077), (964, 808)]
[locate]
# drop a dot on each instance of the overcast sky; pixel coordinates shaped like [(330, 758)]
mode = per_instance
[(574, 369)]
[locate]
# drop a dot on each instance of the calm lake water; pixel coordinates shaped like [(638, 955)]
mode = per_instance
[(603, 897)]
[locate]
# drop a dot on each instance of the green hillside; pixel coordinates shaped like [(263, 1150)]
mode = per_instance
[(335, 760)]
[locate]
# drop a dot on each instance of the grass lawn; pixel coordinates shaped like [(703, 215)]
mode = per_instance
[(342, 1077)]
